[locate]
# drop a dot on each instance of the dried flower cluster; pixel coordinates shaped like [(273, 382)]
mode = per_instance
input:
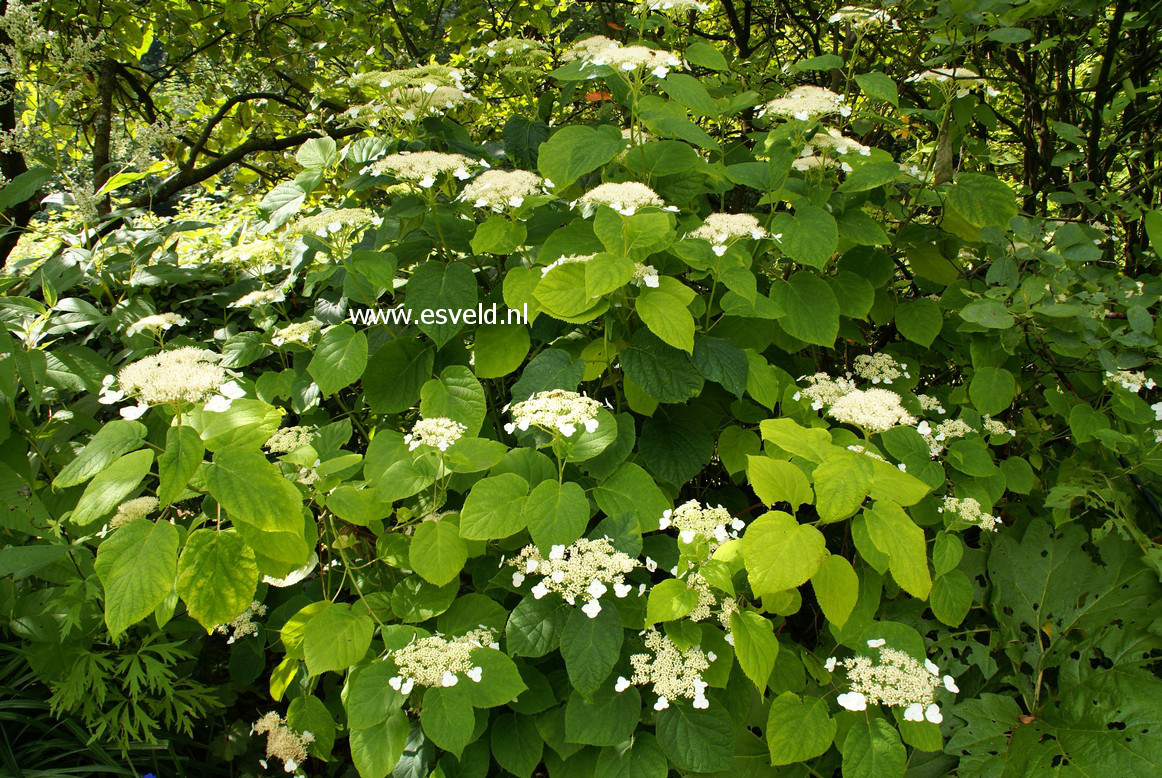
[(722, 229), (243, 624), (625, 198), (692, 520), (806, 103), (282, 742), (423, 168), (673, 673), (585, 569), (897, 679), (554, 411), (439, 661), (502, 189), (970, 511), (439, 433)]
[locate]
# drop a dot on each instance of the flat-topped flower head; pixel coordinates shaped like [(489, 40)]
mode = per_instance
[(861, 18), (243, 624), (645, 275), (693, 520), (259, 298), (939, 436), (267, 251), (996, 427), (819, 162), (572, 259), (512, 49), (722, 229), (627, 59), (970, 511), (589, 47), (438, 433), (874, 410), (895, 679), (676, 6), (300, 332), (823, 390), (880, 368), (425, 75), (502, 189), (288, 439), (409, 104), (555, 411), (671, 672), (626, 198), (806, 103), (334, 221), (423, 168), (180, 378), (1130, 380), (439, 661), (958, 80), (930, 403), (585, 570), (158, 322), (836, 141), (282, 742)]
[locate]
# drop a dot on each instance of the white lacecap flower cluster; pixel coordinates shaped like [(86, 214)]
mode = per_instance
[(969, 510), (158, 322), (259, 298), (300, 332), (599, 50), (930, 403), (818, 162), (861, 18), (335, 221), (823, 390), (288, 439), (645, 275), (585, 569), (673, 673), (874, 410), (1133, 381), (438, 75), (881, 368), (555, 411), (503, 189), (897, 680), (571, 259), (676, 6), (131, 510), (996, 427), (282, 742), (962, 80), (835, 141), (439, 661), (423, 168), (693, 520), (937, 437), (626, 198), (178, 378), (512, 47), (722, 229), (257, 252), (243, 624), (806, 103), (439, 433)]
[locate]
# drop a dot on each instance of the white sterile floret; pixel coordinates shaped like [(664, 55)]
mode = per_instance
[(300, 332), (627, 59), (805, 103), (1134, 381), (823, 390), (567, 260), (589, 47), (423, 168), (180, 377), (676, 6), (439, 661), (585, 569), (692, 520), (327, 223), (969, 510), (243, 624), (625, 198), (645, 275), (155, 323), (555, 411), (502, 189), (722, 229), (282, 742), (259, 298), (837, 142), (895, 679), (861, 18), (131, 510), (881, 368), (439, 433), (874, 410), (673, 673), (288, 439)]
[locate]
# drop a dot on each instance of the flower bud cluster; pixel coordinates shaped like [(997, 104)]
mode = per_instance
[(501, 189), (897, 679), (556, 410), (969, 510), (722, 229), (243, 624), (586, 569), (439, 432), (692, 520), (439, 661), (673, 673), (282, 742)]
